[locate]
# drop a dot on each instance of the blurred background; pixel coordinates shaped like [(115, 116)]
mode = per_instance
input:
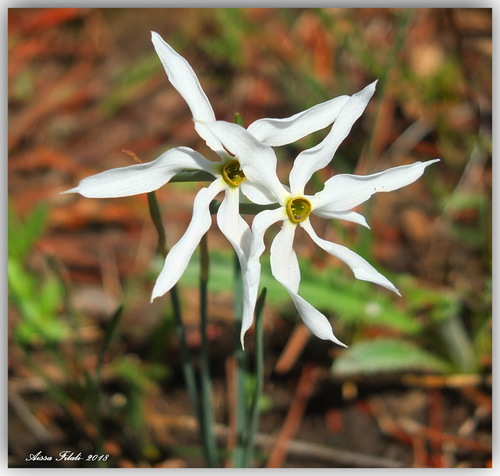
[(414, 387)]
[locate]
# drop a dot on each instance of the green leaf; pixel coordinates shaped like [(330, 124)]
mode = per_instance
[(385, 355), (130, 83), (51, 296), (332, 291), (22, 233)]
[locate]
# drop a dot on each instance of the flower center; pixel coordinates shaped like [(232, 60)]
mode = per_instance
[(298, 209), (232, 174)]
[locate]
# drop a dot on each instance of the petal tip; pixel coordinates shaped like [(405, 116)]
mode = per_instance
[(337, 341), (71, 190), (155, 294)]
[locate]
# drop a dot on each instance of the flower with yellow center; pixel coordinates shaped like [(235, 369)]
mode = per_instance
[(229, 176), (339, 196)]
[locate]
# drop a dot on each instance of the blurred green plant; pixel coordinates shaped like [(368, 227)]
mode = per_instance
[(37, 298), (130, 82), (232, 29), (423, 332), (48, 324), (386, 355)]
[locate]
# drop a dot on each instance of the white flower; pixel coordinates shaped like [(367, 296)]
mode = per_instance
[(229, 178), (339, 196)]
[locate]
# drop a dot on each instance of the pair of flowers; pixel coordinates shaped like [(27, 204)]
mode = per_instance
[(247, 165)]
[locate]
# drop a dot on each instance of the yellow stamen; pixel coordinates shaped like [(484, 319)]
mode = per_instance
[(232, 174), (298, 209)]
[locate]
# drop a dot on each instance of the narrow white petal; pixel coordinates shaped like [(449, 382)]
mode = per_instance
[(142, 178), (313, 159), (257, 160), (361, 268), (257, 193), (345, 215), (315, 321), (239, 235), (180, 254), (185, 81), (261, 223), (276, 132), (234, 228), (284, 262), (285, 268), (345, 191)]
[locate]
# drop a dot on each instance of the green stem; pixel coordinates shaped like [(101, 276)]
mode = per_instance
[(94, 385), (245, 208), (207, 419), (259, 373), (238, 119), (238, 456), (154, 211), (187, 365), (192, 176), (239, 355)]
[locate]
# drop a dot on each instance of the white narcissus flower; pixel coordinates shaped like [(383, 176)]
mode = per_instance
[(339, 196), (228, 175)]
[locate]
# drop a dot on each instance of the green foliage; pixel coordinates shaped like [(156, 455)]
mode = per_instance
[(331, 290), (41, 301), (37, 298), (386, 355), (130, 82), (423, 317), (265, 402), (23, 233), (228, 44)]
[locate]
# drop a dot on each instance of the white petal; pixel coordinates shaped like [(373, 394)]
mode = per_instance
[(185, 81), (315, 321), (258, 161), (261, 223), (345, 191), (361, 268), (346, 216), (284, 262), (276, 132), (285, 268), (142, 178), (313, 159), (257, 193), (234, 228), (180, 254)]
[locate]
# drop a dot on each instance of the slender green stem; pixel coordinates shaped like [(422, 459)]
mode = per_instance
[(108, 335), (207, 419), (238, 119), (259, 373), (77, 346), (245, 208), (192, 176), (187, 365), (94, 385), (154, 211), (239, 355)]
